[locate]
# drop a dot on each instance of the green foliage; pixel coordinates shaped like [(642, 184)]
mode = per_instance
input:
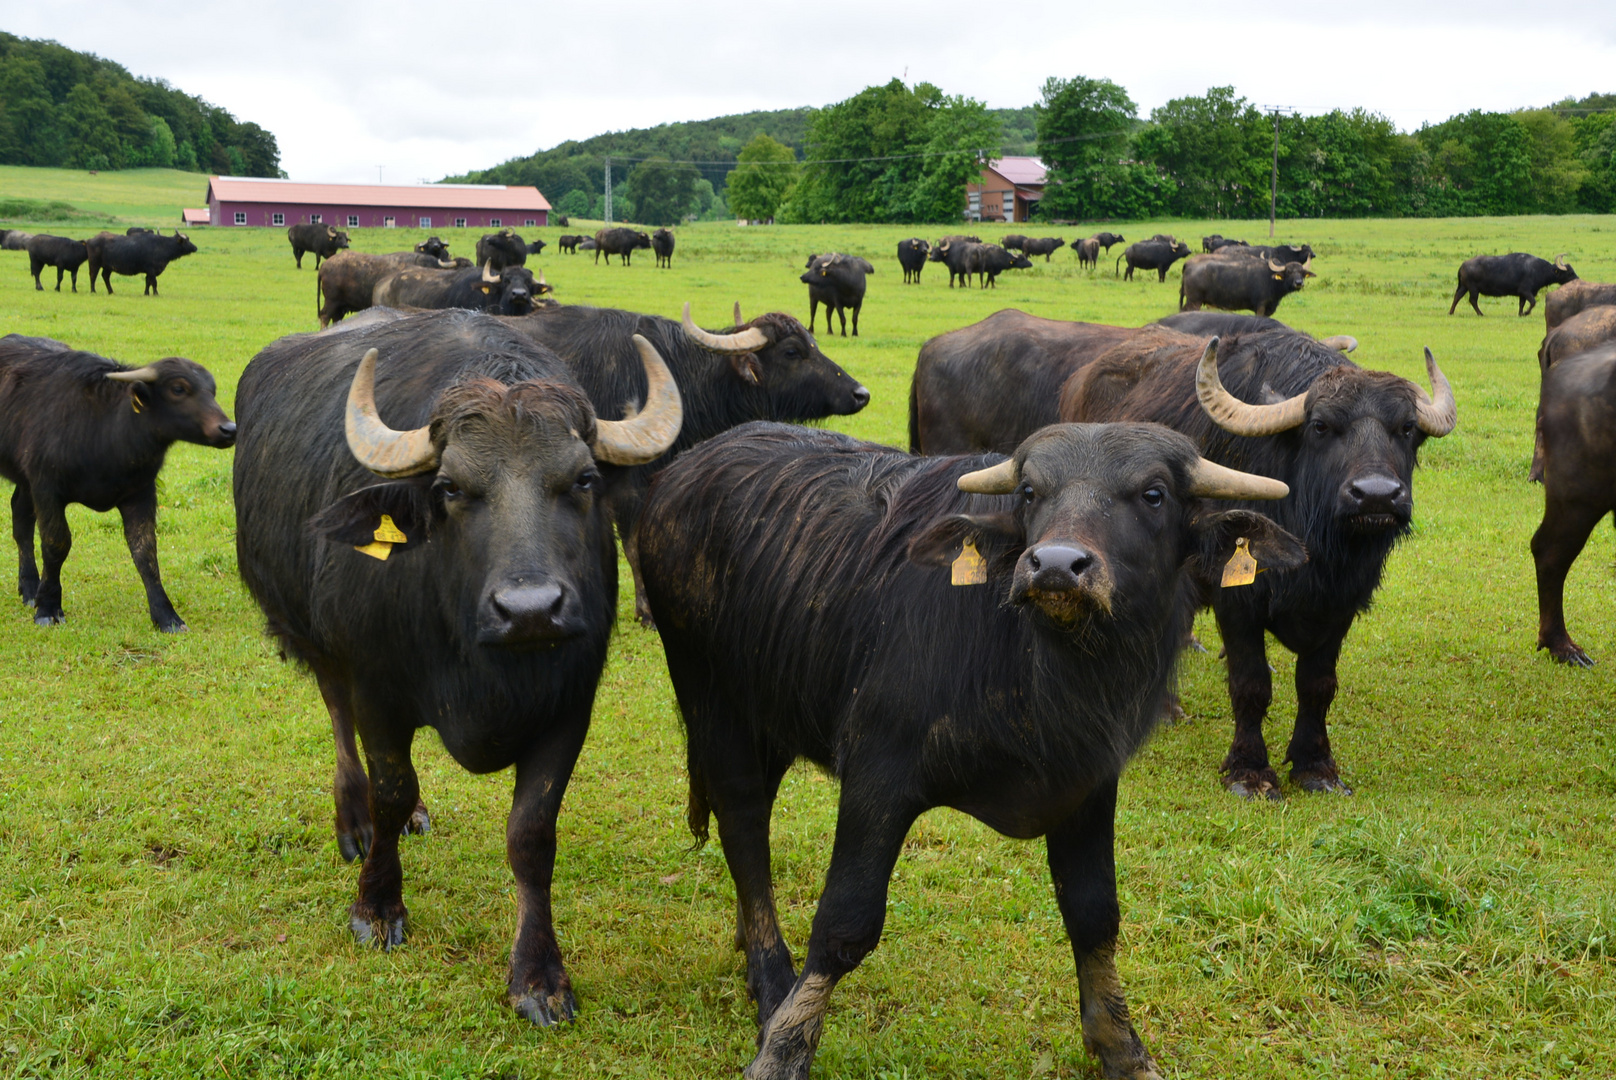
[(64, 108), (573, 204), (1083, 135), (664, 191), (764, 174)]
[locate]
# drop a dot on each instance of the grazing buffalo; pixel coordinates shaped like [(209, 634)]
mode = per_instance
[(619, 241), (58, 251), (347, 282), (912, 256), (1239, 284), (79, 428), (535, 246), (1517, 274), (139, 230), (662, 244), (15, 240), (837, 281), (825, 623), (322, 241), (1157, 255), (988, 261), (588, 244), (568, 243), (501, 249), (148, 254), (511, 291), (1013, 242), (1106, 239), (1088, 253), (457, 572), (1045, 246), (1572, 297), (1345, 440), (433, 247)]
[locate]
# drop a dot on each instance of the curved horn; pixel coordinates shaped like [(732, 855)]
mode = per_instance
[(1439, 416), (1000, 479), (738, 320), (648, 435), (749, 340), (1340, 343), (1210, 480), (446, 264), (1235, 416), (376, 446), (1559, 260), (489, 277), (145, 374), (331, 231), (1278, 268)]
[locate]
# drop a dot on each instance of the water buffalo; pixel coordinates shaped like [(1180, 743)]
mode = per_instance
[(347, 282), (1088, 253), (954, 252), (1572, 297), (1223, 324), (1045, 246), (14, 240), (662, 244), (510, 291), (1582, 332), (79, 428), (619, 241), (139, 230), (1280, 253), (1012, 242), (826, 624), (1345, 440), (912, 256), (502, 249), (1154, 255), (1517, 274), (457, 573), (988, 261), (64, 254), (1106, 239), (568, 243), (1216, 241), (837, 281), (1236, 284), (147, 253), (433, 247), (322, 241)]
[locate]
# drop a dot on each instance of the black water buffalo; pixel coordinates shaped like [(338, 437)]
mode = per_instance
[(662, 244), (59, 251), (1044, 245), (535, 246), (322, 241), (1157, 255), (15, 240), (768, 368), (954, 252), (1106, 239), (1280, 253), (988, 261), (347, 282), (1012, 242), (148, 254), (433, 247), (588, 244), (502, 249), (511, 291), (1239, 284), (568, 243), (619, 241), (837, 281), (1088, 253), (1583, 332), (1345, 440), (79, 428), (139, 230), (826, 624), (1572, 297), (912, 255), (1517, 274), (456, 573), (1211, 243)]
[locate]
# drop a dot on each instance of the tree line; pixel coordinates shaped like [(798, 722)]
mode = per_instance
[(75, 110)]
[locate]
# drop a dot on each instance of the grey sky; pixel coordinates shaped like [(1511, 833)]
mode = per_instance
[(428, 89)]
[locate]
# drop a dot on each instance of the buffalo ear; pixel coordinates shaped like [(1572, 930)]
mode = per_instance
[(747, 367), (940, 543), (1218, 533), (354, 518)]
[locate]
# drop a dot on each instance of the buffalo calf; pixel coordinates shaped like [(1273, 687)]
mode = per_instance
[(58, 251)]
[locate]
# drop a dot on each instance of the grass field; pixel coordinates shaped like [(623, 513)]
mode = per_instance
[(172, 902)]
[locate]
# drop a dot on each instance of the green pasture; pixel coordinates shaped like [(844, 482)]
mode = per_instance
[(172, 902)]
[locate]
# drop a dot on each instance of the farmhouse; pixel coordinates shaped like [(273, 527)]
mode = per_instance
[(1006, 191), (238, 200)]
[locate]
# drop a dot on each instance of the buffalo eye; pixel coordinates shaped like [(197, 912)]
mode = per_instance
[(1408, 427), (447, 489), (588, 480), (1320, 427), (1153, 496), (1026, 492), (178, 388)]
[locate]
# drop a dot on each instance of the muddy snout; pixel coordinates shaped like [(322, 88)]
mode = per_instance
[(1063, 579)]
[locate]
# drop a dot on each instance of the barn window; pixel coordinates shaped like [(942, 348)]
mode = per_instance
[(388, 222), (277, 219), (530, 222), (316, 219), (353, 221), (426, 223), (494, 223), (460, 223), (241, 217)]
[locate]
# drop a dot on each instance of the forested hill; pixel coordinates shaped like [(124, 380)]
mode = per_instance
[(75, 110)]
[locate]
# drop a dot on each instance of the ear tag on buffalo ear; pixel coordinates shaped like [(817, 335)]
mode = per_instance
[(485, 290), (1241, 569), (134, 399), (970, 568), (388, 533), (376, 549)]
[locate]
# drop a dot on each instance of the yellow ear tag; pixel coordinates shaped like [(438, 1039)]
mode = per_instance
[(970, 568), (485, 290), (134, 399), (388, 533), (1241, 569), (376, 549)]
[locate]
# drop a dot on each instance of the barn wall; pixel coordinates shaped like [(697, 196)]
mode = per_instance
[(372, 217)]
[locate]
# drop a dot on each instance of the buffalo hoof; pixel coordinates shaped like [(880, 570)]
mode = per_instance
[(545, 1009), (1320, 782), (45, 618), (354, 843), (1195, 643), (1172, 710), (420, 822), (1254, 784), (177, 626), (1569, 653), (385, 931)]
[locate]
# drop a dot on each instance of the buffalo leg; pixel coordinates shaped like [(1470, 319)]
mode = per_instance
[(847, 926), (1555, 546), (59, 273), (539, 988), (140, 533), (1246, 771), (1527, 305), (75, 273), (1082, 864), (350, 788), (22, 531), (106, 279), (813, 312), (856, 308), (1313, 767), (55, 542), (378, 915), (36, 270), (1473, 304), (151, 285), (1458, 294), (841, 313)]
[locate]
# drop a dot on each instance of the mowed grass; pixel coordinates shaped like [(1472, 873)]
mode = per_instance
[(172, 902), (152, 197)]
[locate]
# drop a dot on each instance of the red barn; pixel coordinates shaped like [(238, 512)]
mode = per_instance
[(1006, 190), (239, 200)]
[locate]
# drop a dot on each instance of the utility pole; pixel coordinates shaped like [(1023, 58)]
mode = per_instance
[(608, 210), (1273, 184), (379, 173)]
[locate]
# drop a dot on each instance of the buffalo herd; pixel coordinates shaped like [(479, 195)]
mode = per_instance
[(429, 499)]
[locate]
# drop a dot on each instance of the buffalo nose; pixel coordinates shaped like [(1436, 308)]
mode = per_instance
[(1375, 490), (226, 433), (861, 397), (1058, 566), (526, 613)]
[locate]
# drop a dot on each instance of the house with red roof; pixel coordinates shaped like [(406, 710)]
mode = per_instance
[(239, 200), (1007, 190)]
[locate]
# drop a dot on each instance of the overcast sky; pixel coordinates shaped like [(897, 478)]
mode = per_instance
[(431, 89)]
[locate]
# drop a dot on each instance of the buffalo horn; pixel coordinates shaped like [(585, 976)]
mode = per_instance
[(749, 340), (738, 320), (1278, 268), (647, 435), (1236, 416), (145, 374), (489, 277), (1340, 343), (446, 264), (1210, 480), (376, 446), (1440, 416), (1000, 479), (331, 231), (1559, 260)]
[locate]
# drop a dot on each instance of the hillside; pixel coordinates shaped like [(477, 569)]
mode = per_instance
[(72, 197)]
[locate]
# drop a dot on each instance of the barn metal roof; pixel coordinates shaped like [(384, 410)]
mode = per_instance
[(1019, 170), (434, 196)]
